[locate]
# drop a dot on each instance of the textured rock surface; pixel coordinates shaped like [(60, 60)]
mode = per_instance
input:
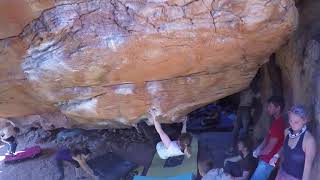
[(299, 61), (106, 63), (270, 84)]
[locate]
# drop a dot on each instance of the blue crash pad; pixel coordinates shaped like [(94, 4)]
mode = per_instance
[(188, 176)]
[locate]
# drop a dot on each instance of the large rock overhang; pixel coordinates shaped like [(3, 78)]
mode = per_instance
[(106, 63)]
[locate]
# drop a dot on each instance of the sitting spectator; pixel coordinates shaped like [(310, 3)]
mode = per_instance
[(205, 167), (238, 167), (298, 150), (243, 165)]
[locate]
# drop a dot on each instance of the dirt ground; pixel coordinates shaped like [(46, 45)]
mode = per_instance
[(128, 144)]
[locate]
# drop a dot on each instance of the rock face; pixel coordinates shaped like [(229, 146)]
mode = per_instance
[(106, 63), (269, 84), (299, 61)]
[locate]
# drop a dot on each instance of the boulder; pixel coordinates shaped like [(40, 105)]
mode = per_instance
[(106, 63)]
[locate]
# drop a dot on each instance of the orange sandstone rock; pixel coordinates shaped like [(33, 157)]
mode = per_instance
[(106, 63)]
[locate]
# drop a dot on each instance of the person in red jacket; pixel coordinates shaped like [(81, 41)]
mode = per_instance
[(272, 142)]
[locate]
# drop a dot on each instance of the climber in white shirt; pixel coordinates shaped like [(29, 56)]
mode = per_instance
[(167, 148)]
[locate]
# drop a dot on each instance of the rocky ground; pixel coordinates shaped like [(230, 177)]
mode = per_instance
[(128, 144)]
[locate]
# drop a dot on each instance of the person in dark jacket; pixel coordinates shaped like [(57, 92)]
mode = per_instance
[(77, 157), (241, 167)]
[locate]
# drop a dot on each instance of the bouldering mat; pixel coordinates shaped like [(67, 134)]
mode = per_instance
[(189, 165), (111, 167), (27, 153), (174, 161), (188, 176)]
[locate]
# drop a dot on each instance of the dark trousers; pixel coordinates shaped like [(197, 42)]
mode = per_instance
[(60, 167), (233, 168), (11, 145), (242, 121)]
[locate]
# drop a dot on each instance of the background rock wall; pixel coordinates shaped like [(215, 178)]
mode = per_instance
[(299, 61)]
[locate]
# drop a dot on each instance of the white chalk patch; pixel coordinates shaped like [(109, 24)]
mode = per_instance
[(135, 6), (45, 59), (112, 42), (80, 90), (125, 89), (155, 110), (32, 75), (122, 120), (103, 123), (190, 80), (154, 87), (81, 107), (170, 27), (63, 17), (89, 105), (55, 65), (115, 42), (41, 47)]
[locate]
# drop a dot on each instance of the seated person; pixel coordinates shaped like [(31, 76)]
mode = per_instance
[(205, 167), (241, 166), (207, 173), (76, 157), (167, 148), (8, 136)]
